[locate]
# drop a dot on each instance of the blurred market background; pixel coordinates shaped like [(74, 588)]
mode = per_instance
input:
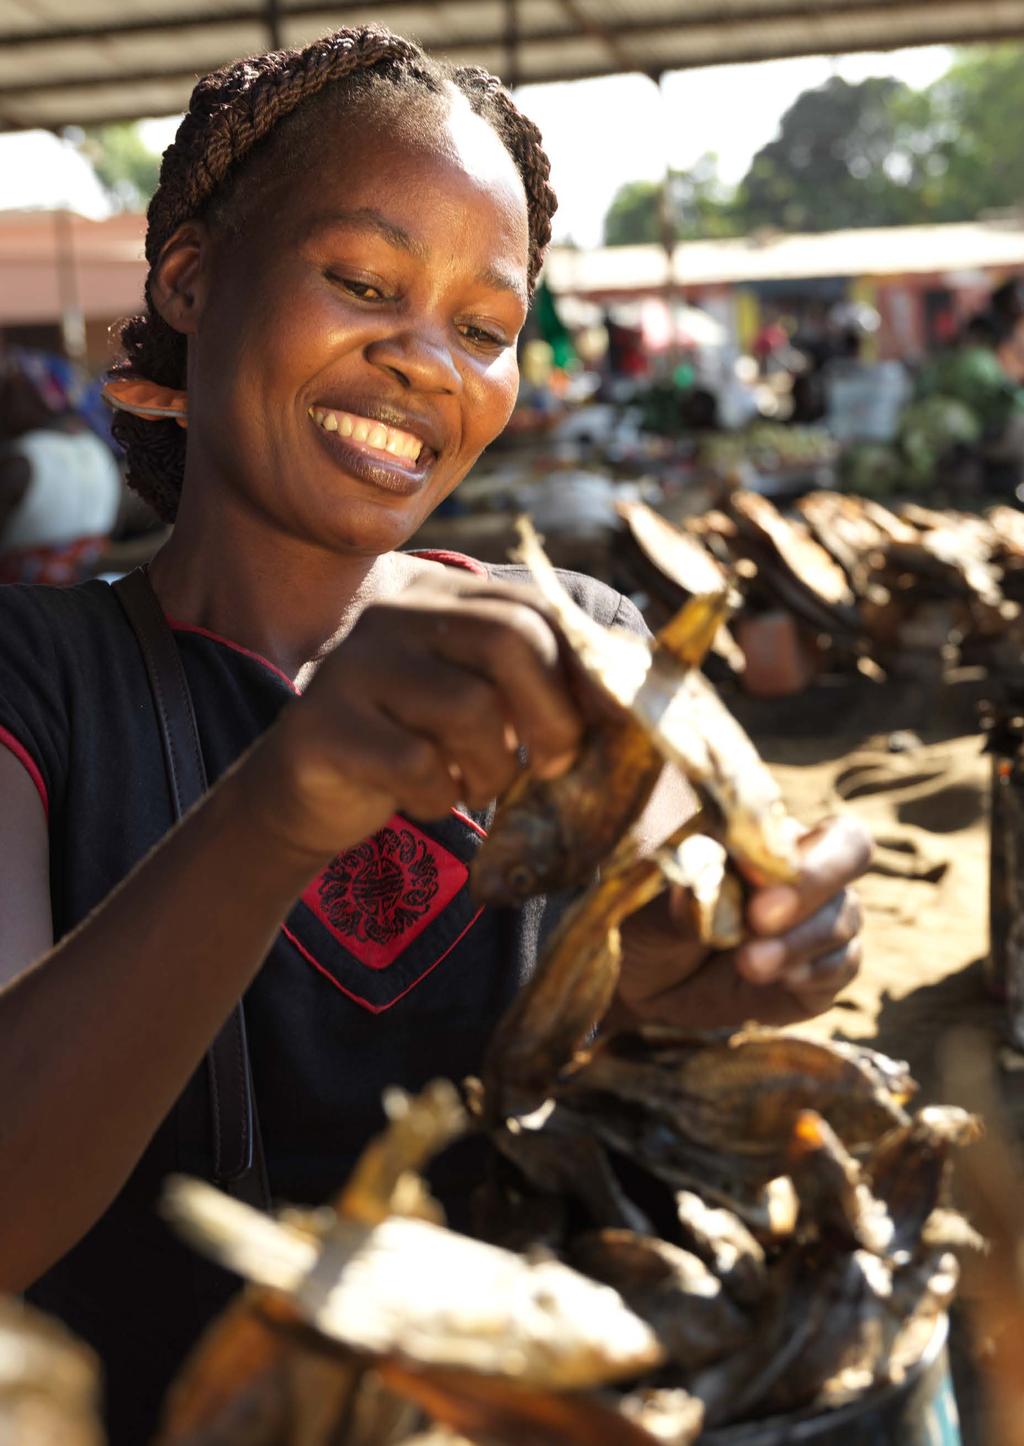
[(784, 311)]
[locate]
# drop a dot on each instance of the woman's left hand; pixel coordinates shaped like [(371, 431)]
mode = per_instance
[(804, 945)]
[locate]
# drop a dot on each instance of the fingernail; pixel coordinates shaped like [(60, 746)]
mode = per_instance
[(555, 767), (764, 958), (800, 974), (776, 909)]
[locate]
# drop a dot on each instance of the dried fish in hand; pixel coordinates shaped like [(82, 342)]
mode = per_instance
[(686, 721), (552, 834), (572, 988)]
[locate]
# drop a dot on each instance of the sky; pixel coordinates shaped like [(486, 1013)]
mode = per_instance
[(599, 133)]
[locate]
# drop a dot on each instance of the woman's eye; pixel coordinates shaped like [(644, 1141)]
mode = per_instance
[(362, 289), (480, 336)]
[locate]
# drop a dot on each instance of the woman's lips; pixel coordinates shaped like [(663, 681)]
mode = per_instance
[(386, 456)]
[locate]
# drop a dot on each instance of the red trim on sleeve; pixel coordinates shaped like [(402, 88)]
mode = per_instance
[(451, 559), (31, 767)]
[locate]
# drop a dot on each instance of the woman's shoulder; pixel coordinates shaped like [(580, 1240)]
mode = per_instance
[(66, 614), (603, 603)]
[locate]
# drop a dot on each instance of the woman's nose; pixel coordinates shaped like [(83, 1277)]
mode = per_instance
[(420, 358)]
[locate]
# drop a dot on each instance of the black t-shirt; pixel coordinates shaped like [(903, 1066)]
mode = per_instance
[(385, 972)]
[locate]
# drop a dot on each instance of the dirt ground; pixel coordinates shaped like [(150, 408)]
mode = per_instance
[(908, 760)]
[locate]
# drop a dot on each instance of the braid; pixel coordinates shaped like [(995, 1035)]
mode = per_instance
[(230, 113)]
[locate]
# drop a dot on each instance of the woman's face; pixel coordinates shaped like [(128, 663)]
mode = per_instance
[(355, 350)]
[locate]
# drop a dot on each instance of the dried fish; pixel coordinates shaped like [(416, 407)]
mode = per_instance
[(908, 1169), (385, 1180), (835, 1200), (741, 1095), (685, 718), (808, 579), (411, 1289), (720, 1238), (559, 1157), (571, 990), (674, 1291), (552, 834), (672, 1416), (700, 867), (499, 1412), (674, 565), (49, 1382)]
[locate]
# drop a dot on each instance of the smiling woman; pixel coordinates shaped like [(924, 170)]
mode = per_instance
[(341, 250)]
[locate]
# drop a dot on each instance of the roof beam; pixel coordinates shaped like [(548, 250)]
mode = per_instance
[(704, 12), (255, 14), (594, 28), (806, 41), (610, 35)]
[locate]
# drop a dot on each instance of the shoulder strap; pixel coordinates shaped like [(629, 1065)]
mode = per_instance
[(238, 1156)]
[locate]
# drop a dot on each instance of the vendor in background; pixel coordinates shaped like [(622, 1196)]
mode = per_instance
[(60, 487), (984, 372)]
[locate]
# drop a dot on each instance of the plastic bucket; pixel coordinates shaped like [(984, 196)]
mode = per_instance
[(920, 1411)]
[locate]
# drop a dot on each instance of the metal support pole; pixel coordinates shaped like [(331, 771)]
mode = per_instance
[(668, 231), (512, 43), (72, 323), (273, 9)]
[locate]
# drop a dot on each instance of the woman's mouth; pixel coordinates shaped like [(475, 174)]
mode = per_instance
[(371, 437)]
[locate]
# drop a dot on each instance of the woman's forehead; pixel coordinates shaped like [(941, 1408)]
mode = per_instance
[(456, 162)]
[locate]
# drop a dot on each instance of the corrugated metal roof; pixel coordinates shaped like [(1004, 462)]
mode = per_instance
[(883, 251), (82, 61)]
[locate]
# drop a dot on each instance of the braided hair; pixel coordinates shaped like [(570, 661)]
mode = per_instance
[(241, 122)]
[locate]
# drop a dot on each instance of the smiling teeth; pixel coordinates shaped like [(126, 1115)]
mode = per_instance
[(360, 429)]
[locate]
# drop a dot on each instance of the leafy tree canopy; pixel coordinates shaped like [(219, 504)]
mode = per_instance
[(125, 165), (872, 154)]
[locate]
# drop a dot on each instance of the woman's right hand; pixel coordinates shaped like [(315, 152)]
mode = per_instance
[(423, 705)]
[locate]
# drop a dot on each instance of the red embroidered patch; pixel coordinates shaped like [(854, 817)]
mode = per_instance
[(379, 896)]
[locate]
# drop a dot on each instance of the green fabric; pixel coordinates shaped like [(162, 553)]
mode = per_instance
[(974, 375), (552, 328)]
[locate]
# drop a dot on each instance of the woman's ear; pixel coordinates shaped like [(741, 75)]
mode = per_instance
[(179, 280)]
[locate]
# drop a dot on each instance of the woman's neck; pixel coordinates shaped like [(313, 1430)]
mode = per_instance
[(278, 595)]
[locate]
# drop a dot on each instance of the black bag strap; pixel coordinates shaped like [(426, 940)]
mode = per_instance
[(239, 1167)]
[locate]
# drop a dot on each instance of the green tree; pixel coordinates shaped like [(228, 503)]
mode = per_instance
[(970, 149), (126, 167), (698, 205), (843, 157)]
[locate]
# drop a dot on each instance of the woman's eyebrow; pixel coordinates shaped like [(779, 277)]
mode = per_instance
[(502, 280), (365, 218)]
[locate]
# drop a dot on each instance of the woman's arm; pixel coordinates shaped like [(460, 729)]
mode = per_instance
[(424, 704)]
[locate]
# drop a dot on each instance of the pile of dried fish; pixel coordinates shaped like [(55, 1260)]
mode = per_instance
[(890, 586), (678, 1230), (49, 1382)]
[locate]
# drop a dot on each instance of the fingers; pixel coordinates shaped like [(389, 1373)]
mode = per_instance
[(507, 643), (464, 717), (718, 996), (832, 855), (428, 702), (833, 926)]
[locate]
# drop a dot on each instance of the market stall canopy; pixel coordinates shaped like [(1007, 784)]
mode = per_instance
[(81, 62), (949, 249)]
